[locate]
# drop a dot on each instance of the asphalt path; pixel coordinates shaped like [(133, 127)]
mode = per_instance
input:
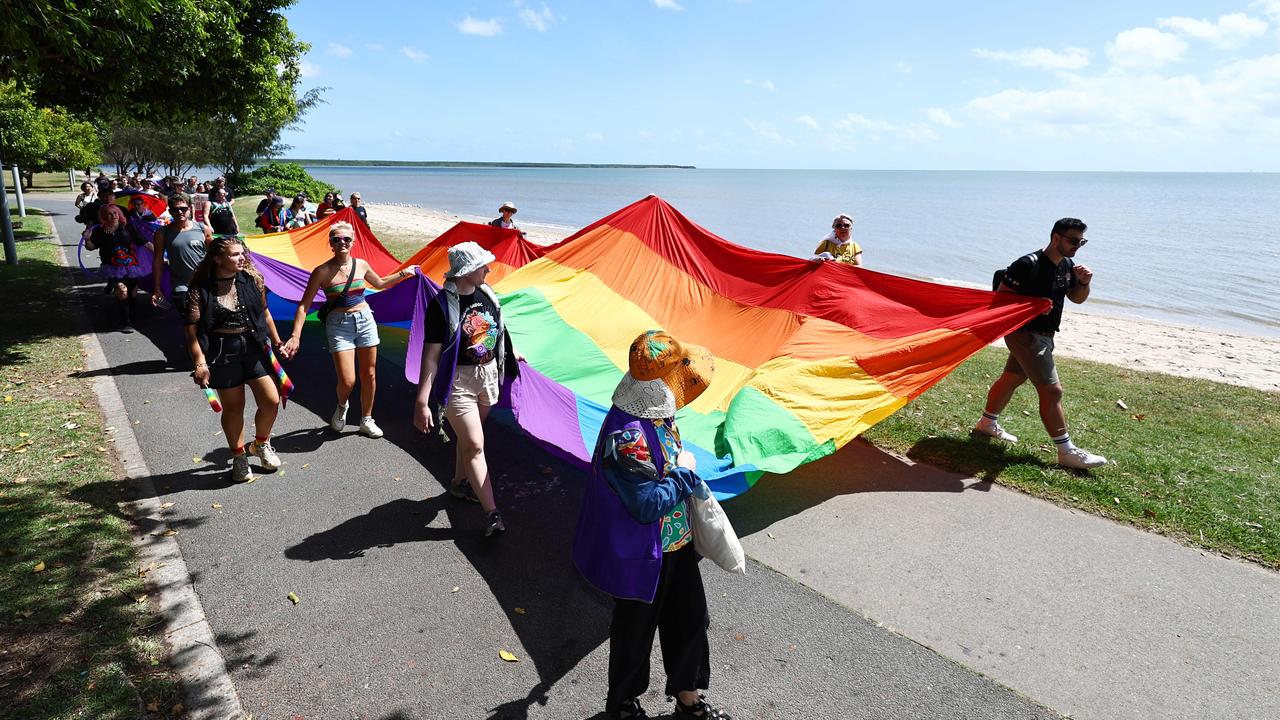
[(404, 606)]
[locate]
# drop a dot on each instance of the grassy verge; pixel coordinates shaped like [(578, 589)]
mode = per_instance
[(1193, 459), (78, 637)]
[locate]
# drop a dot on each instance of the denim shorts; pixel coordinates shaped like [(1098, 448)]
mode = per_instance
[(348, 331)]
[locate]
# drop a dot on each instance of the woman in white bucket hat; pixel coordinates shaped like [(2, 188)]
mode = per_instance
[(465, 352)]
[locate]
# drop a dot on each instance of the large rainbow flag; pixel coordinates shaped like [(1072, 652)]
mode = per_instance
[(808, 353)]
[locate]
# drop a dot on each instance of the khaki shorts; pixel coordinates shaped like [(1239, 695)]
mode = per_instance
[(1031, 355), (474, 386)]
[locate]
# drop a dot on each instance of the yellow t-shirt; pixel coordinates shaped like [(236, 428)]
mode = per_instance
[(842, 253)]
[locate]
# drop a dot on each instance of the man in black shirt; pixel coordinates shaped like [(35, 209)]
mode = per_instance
[(1049, 273)]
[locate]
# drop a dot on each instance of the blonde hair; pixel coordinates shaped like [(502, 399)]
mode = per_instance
[(341, 226), (840, 217)]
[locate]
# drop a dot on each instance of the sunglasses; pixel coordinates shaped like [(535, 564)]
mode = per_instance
[(341, 239), (180, 208), (843, 226), (1077, 243)]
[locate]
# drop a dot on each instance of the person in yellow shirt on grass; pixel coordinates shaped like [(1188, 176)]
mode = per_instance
[(839, 245)]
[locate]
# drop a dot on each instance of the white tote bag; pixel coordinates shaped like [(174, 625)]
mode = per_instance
[(713, 536)]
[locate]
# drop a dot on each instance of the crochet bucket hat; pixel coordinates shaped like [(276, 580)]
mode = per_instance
[(663, 375), (467, 257)]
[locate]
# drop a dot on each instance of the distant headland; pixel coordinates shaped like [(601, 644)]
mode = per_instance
[(448, 164)]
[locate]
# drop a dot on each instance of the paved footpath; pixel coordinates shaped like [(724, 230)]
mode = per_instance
[(879, 589)]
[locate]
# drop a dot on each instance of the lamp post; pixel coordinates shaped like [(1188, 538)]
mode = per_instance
[(6, 226)]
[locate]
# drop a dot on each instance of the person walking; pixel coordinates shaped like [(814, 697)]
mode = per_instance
[(222, 219), (182, 244), (357, 204), (349, 325), (117, 251), (507, 218), (1049, 273), (465, 356), (634, 540), (227, 327)]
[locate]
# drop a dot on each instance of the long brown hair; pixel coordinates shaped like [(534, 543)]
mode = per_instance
[(203, 274)]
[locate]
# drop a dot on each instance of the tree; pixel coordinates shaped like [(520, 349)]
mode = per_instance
[(237, 142), (43, 139), (140, 59)]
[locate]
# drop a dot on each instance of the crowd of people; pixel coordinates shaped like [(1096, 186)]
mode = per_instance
[(634, 537)]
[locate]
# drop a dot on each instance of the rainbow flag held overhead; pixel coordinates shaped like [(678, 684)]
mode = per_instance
[(809, 354)]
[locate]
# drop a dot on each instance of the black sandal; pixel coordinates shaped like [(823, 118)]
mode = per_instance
[(630, 710), (700, 710), (463, 491)]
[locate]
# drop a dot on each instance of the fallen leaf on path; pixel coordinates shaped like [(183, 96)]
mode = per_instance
[(740, 637), (293, 598), (1139, 416), (397, 478), (195, 460), (770, 535), (39, 567), (140, 599), (306, 465), (455, 589), (507, 657), (216, 506), (167, 505), (170, 533), (176, 709), (519, 611)]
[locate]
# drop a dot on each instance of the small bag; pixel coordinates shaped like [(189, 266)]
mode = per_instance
[(323, 313), (996, 278), (713, 535)]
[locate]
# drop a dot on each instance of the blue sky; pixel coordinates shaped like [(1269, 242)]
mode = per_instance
[(1134, 85)]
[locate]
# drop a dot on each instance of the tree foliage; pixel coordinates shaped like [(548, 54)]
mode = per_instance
[(155, 61), (43, 139), (287, 178)]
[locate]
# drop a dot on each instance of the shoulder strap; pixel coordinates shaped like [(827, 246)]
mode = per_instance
[(351, 275)]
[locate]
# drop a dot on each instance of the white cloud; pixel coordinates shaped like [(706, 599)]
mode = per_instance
[(376, 47), (767, 132), (855, 124), (763, 84), (538, 20), (308, 69), (903, 67), (483, 28), (414, 54), (1237, 100), (807, 121), (1072, 58), (340, 51), (938, 116), (1229, 32), (668, 4), (1145, 49)]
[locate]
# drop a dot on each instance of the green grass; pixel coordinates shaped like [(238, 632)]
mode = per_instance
[(1192, 459), (75, 642)]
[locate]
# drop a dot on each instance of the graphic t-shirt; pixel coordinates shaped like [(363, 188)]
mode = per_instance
[(1035, 274), (478, 329), (634, 455), (115, 248)]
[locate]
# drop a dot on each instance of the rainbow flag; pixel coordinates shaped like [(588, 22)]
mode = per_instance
[(809, 354)]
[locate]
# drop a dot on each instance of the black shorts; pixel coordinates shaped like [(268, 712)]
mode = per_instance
[(234, 360)]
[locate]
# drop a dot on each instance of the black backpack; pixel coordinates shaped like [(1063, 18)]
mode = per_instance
[(222, 220), (997, 278)]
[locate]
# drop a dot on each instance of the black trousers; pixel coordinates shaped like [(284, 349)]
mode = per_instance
[(679, 614)]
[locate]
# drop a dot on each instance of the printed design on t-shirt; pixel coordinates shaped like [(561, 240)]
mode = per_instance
[(481, 332), (124, 256)]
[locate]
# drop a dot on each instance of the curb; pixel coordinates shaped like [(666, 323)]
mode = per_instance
[(208, 692)]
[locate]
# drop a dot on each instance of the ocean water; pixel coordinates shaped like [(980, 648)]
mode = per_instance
[(1189, 248)]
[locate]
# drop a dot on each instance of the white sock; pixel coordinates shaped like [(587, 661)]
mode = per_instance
[(366, 418), (1063, 442), (988, 418)]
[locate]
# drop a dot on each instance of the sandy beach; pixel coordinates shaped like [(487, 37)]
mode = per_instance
[(1245, 360)]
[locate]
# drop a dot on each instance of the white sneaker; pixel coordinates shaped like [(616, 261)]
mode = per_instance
[(991, 428), (339, 419), (240, 471), (1080, 459), (266, 453), (369, 428)]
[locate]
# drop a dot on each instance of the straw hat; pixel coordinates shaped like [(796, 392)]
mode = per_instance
[(508, 206), (467, 257), (663, 375)]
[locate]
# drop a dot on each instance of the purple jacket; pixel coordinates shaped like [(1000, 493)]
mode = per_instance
[(613, 550)]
